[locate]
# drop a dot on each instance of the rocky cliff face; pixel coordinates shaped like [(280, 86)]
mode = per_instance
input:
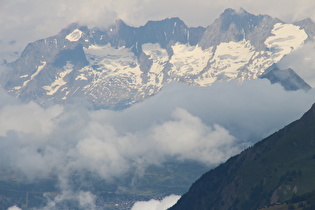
[(122, 65), (237, 26)]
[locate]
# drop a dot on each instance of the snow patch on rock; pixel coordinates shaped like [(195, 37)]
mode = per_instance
[(189, 59), (59, 82), (285, 39), (74, 35)]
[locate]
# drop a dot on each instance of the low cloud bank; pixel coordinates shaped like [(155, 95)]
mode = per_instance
[(185, 123), (39, 142), (188, 123)]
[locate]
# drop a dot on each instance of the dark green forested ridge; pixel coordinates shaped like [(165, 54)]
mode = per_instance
[(274, 170)]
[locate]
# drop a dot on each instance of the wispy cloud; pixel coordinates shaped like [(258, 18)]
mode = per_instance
[(85, 200), (14, 208)]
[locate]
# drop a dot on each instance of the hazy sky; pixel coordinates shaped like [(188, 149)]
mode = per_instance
[(25, 21)]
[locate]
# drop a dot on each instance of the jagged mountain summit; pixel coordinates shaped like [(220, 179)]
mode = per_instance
[(122, 65), (273, 171)]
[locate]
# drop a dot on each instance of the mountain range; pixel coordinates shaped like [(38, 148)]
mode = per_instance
[(122, 65)]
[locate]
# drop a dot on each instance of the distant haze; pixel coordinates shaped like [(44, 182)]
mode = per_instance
[(26, 21)]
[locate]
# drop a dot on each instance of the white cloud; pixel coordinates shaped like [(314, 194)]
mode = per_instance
[(17, 118), (187, 137), (14, 208), (163, 204)]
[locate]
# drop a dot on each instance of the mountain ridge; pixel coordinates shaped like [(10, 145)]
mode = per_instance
[(244, 25), (272, 171), (286, 78)]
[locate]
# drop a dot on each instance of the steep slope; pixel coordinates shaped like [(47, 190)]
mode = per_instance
[(122, 65), (271, 171)]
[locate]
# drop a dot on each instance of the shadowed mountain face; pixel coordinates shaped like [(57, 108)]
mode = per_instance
[(274, 170), (237, 26), (287, 78), (122, 65)]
